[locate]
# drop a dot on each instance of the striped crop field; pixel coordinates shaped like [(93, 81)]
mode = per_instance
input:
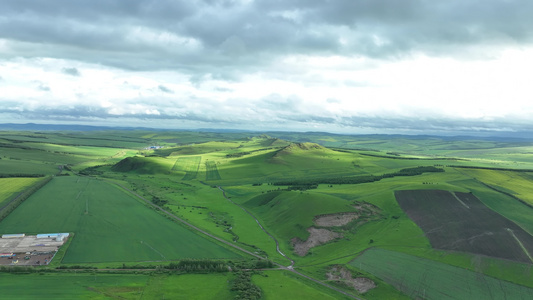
[(421, 278), (109, 225), (188, 164), (211, 171), (461, 222)]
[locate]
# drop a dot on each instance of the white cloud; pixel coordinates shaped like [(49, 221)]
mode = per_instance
[(274, 64)]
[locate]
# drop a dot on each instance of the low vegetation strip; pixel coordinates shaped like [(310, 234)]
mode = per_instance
[(491, 168), (211, 171), (426, 279), (360, 179), (466, 225), (189, 164)]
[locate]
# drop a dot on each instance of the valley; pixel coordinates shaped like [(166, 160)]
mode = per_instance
[(269, 215)]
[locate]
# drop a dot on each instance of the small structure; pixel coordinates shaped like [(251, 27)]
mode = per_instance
[(13, 236), (57, 236)]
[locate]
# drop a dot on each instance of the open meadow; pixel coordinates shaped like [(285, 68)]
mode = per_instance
[(108, 224), (10, 187), (343, 210)]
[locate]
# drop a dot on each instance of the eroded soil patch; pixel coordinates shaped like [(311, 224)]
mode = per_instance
[(316, 237), (344, 276), (342, 222), (336, 220), (364, 211)]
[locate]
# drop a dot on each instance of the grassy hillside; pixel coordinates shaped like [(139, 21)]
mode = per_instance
[(189, 172), (141, 165), (289, 214)]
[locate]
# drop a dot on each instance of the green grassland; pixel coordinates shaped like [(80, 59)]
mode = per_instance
[(72, 286), (426, 279), (10, 166), (289, 214), (10, 187), (115, 286), (284, 285), (518, 184), (184, 177), (189, 286), (109, 225), (189, 165)]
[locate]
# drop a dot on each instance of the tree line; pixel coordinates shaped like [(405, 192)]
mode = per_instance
[(359, 179)]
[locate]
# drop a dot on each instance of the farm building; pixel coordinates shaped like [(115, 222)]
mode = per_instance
[(36, 249), (57, 236), (12, 236)]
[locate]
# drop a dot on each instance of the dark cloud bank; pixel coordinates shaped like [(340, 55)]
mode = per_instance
[(226, 39)]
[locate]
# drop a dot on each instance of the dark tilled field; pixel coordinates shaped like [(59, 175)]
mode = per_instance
[(461, 222)]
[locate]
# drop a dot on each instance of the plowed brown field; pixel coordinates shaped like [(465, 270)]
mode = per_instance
[(461, 222)]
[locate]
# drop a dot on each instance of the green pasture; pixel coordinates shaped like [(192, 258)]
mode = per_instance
[(275, 165), (86, 151), (189, 165), (109, 225), (284, 285), (426, 279), (106, 138), (235, 161), (144, 165), (206, 207), (15, 166), (211, 171), (9, 187), (41, 156), (72, 286), (198, 149), (519, 184), (289, 214), (188, 286)]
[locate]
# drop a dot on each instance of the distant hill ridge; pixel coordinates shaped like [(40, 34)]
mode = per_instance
[(138, 164)]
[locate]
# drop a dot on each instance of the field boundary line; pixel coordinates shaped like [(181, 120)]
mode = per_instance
[(261, 226), (508, 195), (176, 218), (519, 243), (228, 243), (22, 196), (464, 204)]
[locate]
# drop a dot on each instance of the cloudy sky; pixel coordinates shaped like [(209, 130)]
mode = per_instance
[(351, 66)]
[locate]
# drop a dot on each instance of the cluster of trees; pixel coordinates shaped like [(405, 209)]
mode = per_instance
[(491, 168), (158, 201), (91, 171), (359, 179), (244, 287), (238, 154), (21, 175), (21, 270), (198, 266), (76, 267), (302, 187)]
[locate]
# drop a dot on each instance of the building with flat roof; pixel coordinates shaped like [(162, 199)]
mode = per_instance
[(13, 235)]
